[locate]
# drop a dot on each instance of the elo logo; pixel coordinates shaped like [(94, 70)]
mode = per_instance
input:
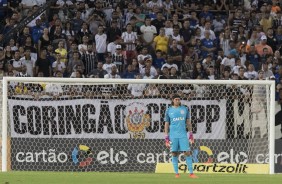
[(81, 156)]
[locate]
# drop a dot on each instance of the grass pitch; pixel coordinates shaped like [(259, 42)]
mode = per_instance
[(131, 178)]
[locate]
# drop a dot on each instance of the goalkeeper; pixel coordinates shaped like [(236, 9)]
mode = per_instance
[(177, 118)]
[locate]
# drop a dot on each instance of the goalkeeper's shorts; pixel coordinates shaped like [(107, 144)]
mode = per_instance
[(179, 144)]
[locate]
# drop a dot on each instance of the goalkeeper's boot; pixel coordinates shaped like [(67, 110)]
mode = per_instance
[(177, 175), (193, 176)]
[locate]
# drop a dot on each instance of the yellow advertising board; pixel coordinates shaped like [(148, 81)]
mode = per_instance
[(218, 168)]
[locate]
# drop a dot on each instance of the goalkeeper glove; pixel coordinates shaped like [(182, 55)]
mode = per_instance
[(191, 138), (167, 142)]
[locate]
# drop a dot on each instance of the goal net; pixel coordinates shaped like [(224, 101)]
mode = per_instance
[(117, 125)]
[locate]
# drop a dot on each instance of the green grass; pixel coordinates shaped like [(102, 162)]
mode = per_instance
[(131, 178)]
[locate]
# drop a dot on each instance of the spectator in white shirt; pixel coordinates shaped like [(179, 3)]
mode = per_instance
[(108, 65), (144, 54), (251, 74), (148, 32), (101, 43), (168, 28), (29, 62), (58, 66), (228, 61), (83, 46), (238, 65), (148, 64), (114, 74), (111, 47)]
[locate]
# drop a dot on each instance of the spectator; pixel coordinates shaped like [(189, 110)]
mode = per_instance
[(227, 62), (37, 31), (23, 36), (211, 73), (207, 28), (99, 72), (119, 59), (159, 61), (175, 54), (43, 64), (129, 73), (77, 22), (266, 21), (186, 70), (148, 64), (58, 36), (148, 32), (29, 62), (159, 22), (251, 74), (226, 74), (206, 13), (218, 24), (58, 65), (144, 54), (161, 41), (278, 36), (237, 66), (129, 38), (177, 37), (74, 62), (207, 44), (101, 43), (271, 40), (68, 30), (63, 52), (108, 65), (186, 32), (199, 72), (84, 31), (89, 59), (208, 62), (44, 40), (83, 46), (113, 32), (168, 28), (260, 75), (173, 73), (16, 62), (254, 58), (267, 73), (135, 65), (164, 73), (113, 74), (147, 74), (12, 44)]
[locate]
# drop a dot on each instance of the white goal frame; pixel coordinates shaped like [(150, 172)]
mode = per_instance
[(270, 93)]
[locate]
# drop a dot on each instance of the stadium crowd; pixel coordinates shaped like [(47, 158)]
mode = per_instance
[(145, 39)]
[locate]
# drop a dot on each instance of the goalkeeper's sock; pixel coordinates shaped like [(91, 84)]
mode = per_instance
[(175, 164), (189, 164)]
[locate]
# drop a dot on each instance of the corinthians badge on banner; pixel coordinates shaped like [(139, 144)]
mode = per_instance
[(137, 120)]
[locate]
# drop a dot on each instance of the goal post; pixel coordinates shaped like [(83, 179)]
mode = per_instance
[(78, 124)]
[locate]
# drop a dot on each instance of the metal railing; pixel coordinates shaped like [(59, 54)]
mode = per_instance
[(25, 21)]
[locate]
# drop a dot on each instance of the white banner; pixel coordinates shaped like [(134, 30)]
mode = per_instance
[(118, 119)]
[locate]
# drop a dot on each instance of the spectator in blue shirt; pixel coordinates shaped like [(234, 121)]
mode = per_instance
[(208, 46), (37, 31)]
